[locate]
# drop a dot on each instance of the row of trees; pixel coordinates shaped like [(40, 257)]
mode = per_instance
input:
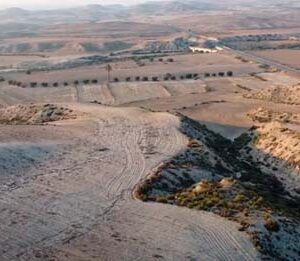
[(47, 84), (166, 77), (171, 77)]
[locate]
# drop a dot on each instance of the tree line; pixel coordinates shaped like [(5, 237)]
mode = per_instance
[(166, 77)]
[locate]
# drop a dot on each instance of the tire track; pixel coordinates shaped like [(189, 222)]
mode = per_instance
[(88, 193)]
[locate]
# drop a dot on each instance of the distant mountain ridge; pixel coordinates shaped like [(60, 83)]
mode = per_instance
[(97, 12)]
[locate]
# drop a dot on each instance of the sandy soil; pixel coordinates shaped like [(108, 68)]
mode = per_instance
[(74, 201)]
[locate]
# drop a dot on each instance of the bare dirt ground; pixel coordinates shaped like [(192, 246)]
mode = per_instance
[(74, 201)]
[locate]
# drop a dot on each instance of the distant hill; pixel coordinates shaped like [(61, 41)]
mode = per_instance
[(152, 8), (101, 13), (94, 13)]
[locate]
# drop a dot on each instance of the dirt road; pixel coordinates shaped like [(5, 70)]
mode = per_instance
[(74, 200)]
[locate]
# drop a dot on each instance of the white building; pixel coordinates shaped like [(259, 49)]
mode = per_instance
[(202, 50)]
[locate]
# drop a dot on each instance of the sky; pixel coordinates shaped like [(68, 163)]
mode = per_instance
[(51, 4)]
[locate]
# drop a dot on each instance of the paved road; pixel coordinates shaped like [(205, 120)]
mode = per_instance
[(259, 59)]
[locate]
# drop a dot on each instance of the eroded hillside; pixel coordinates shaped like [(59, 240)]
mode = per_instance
[(253, 180), (34, 114), (280, 94)]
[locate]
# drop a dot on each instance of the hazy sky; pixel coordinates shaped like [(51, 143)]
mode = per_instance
[(37, 4)]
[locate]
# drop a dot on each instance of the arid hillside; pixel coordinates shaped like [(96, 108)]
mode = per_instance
[(34, 114), (78, 176), (282, 94), (166, 130), (253, 180)]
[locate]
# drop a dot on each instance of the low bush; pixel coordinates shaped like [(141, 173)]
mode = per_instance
[(189, 76), (229, 73), (271, 225)]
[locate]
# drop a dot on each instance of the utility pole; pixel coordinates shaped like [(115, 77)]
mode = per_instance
[(108, 68)]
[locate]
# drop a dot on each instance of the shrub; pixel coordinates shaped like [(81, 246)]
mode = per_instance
[(182, 77), (230, 73), (95, 81), (33, 84), (161, 200), (76, 82), (66, 84), (221, 74), (258, 202), (214, 75), (28, 72), (154, 79), (137, 78), (173, 78), (170, 60), (271, 225), (55, 84), (145, 78), (44, 84), (189, 76), (116, 79), (128, 79), (240, 198), (161, 59), (207, 75)]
